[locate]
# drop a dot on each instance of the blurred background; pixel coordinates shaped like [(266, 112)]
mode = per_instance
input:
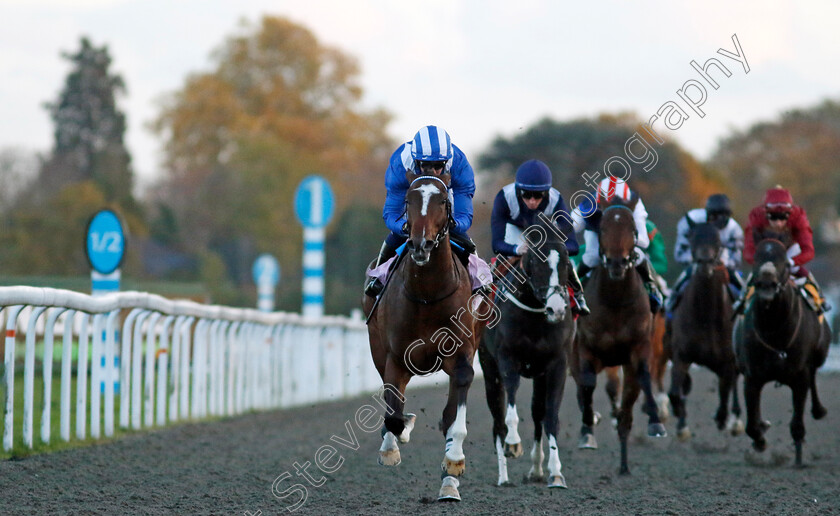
[(197, 120)]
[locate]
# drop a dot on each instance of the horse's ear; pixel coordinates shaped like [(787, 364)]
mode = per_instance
[(691, 223), (410, 176), (446, 177)]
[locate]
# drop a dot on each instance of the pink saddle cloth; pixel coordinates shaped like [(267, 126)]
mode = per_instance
[(480, 274)]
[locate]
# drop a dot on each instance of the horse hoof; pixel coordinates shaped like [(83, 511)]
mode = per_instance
[(513, 451), (506, 483), (454, 468), (389, 458), (449, 490), (662, 406), (409, 426), (734, 426), (557, 481), (535, 476), (759, 445), (587, 442), (624, 470), (684, 434), (819, 412), (657, 430), (764, 425)]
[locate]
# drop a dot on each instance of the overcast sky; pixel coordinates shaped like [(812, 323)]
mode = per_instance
[(477, 68)]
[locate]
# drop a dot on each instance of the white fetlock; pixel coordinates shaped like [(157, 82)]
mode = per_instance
[(500, 457), (405, 435)]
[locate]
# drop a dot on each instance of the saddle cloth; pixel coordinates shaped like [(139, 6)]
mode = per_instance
[(479, 271)]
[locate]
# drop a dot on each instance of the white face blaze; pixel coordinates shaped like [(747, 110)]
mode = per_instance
[(767, 267), (427, 191), (555, 301)]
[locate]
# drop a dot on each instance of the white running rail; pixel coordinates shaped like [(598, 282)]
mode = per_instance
[(178, 360)]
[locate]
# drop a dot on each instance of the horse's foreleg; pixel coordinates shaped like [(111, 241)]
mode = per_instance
[(454, 427), (679, 370), (396, 379), (629, 396), (755, 426), (555, 380), (538, 409), (513, 441), (454, 422), (655, 426), (734, 425), (725, 383), (817, 408), (613, 388), (495, 395), (586, 388), (799, 389)]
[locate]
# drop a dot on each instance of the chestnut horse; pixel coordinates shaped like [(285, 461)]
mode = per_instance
[(617, 332), (779, 339), (425, 322), (532, 339), (700, 331)]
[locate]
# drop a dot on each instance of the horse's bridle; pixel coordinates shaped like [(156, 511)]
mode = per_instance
[(627, 262), (449, 218), (549, 290)]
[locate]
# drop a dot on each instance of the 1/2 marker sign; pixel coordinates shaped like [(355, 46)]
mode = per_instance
[(105, 242)]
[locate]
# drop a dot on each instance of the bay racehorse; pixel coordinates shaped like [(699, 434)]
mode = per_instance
[(532, 339), (779, 339), (700, 331), (617, 332), (658, 364), (424, 322)]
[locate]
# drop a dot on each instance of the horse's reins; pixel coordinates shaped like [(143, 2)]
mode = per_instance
[(522, 305)]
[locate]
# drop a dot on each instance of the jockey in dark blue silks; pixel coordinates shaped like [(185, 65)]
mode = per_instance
[(431, 152), (517, 207)]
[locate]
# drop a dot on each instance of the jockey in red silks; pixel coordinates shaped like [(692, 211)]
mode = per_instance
[(778, 215)]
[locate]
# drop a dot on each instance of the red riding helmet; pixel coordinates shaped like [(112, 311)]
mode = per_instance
[(778, 200)]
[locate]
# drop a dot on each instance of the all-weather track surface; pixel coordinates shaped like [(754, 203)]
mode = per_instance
[(228, 466)]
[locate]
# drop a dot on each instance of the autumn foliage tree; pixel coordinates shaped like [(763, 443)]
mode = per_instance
[(277, 106)]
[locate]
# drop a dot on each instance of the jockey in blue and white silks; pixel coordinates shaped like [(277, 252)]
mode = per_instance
[(616, 191), (517, 207), (430, 152)]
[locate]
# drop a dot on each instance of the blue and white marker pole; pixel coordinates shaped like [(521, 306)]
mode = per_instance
[(105, 249), (266, 273), (314, 207)]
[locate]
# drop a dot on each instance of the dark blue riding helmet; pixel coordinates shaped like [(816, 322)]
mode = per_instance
[(534, 176)]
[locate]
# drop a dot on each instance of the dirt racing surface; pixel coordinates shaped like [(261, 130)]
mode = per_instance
[(235, 466)]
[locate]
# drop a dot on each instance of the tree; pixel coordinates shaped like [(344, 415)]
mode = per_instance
[(677, 183), (89, 129), (277, 106), (800, 151)]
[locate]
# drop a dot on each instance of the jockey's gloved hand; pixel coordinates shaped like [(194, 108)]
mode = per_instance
[(405, 228), (521, 249)]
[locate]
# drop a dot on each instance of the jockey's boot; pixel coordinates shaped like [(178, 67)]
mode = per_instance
[(577, 290), (463, 247), (741, 302), (676, 292), (646, 272), (374, 287), (815, 297), (736, 284), (583, 272)]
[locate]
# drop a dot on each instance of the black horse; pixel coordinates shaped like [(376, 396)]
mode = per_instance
[(532, 339), (617, 332), (779, 339), (700, 331)]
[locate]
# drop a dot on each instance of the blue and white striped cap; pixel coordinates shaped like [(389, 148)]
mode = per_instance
[(431, 143)]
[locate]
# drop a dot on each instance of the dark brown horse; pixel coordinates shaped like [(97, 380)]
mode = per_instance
[(700, 331), (779, 339), (424, 322), (617, 332), (532, 339)]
